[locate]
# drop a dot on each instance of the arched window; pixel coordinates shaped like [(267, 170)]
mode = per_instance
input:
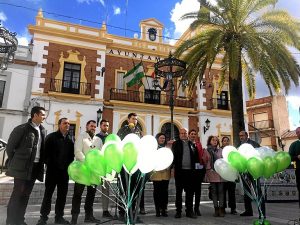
[(166, 129)]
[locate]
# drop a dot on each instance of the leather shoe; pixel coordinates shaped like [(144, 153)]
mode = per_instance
[(106, 214), (41, 222), (233, 212), (61, 220), (191, 215), (164, 213), (91, 219), (142, 211), (246, 214), (178, 215), (197, 212)]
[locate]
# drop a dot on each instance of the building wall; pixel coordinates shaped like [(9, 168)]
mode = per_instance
[(274, 111), (16, 100)]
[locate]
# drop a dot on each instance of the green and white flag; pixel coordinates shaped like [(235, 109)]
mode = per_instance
[(134, 75)]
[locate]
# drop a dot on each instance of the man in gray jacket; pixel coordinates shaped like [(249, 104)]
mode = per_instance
[(25, 150)]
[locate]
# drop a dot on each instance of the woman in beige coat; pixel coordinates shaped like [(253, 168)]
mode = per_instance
[(161, 183), (214, 152)]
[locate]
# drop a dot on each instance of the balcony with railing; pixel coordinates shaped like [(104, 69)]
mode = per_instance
[(70, 87), (218, 103), (261, 125), (150, 97)]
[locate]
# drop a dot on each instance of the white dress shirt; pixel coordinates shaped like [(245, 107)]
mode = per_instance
[(84, 143)]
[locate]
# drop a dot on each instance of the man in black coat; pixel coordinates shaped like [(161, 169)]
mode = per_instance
[(249, 180), (25, 150), (131, 128), (59, 153), (186, 159)]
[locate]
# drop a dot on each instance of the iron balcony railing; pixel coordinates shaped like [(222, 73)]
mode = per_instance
[(218, 103), (72, 87), (150, 97), (260, 125)]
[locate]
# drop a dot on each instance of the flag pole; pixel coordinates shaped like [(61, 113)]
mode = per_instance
[(145, 76)]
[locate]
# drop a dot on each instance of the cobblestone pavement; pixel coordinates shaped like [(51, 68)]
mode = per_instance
[(277, 213)]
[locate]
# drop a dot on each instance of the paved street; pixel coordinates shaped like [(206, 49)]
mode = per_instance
[(277, 213)]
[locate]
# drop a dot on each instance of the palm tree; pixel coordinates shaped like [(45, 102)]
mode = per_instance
[(253, 38)]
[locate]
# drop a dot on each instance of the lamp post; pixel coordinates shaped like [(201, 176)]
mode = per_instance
[(99, 114), (8, 46), (169, 69)]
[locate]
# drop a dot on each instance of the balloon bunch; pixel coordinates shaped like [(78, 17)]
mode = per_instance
[(260, 162), (132, 154)]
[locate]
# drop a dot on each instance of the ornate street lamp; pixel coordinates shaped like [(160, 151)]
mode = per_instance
[(99, 115), (8, 46), (169, 69)]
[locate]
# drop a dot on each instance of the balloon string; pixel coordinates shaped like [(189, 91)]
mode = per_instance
[(129, 212), (133, 195), (116, 202), (140, 194), (243, 177), (122, 192), (258, 200)]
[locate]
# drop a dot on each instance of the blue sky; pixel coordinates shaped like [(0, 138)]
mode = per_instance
[(119, 14)]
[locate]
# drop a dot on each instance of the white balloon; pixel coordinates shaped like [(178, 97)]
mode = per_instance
[(265, 152), (131, 138), (248, 151), (146, 160), (149, 141), (227, 150), (164, 158), (225, 170)]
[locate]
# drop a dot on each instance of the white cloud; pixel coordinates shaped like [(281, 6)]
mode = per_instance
[(23, 41), (90, 1), (294, 102), (181, 8), (3, 17), (24, 38), (117, 10)]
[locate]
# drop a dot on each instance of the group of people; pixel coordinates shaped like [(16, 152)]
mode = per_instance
[(193, 164), (29, 149)]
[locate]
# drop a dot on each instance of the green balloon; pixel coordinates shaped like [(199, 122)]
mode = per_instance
[(259, 222), (112, 137), (95, 161), (255, 167), (256, 222), (283, 160), (95, 179), (79, 173), (130, 152), (108, 169), (113, 156), (270, 166), (237, 161)]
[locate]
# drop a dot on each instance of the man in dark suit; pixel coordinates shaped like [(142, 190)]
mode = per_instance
[(25, 150), (59, 153), (249, 180), (186, 159), (131, 128)]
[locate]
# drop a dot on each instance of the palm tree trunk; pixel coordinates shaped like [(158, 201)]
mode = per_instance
[(236, 103)]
